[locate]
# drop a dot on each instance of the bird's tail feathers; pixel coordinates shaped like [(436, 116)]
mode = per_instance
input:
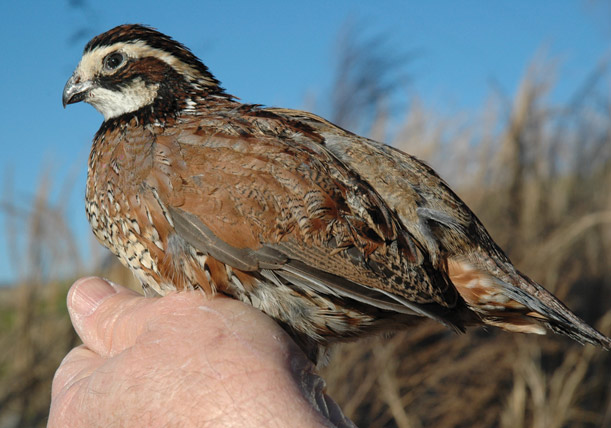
[(518, 304)]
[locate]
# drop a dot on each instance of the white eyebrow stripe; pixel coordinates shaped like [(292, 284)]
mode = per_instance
[(91, 63)]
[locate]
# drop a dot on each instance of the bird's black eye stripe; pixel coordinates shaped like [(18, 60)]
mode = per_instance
[(113, 61)]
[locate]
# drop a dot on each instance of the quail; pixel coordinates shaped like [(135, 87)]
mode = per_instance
[(334, 235)]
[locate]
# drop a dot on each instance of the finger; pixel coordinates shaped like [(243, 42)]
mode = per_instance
[(78, 364), (69, 383), (110, 318), (98, 310)]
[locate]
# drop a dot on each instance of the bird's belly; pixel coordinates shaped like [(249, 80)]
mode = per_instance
[(114, 229)]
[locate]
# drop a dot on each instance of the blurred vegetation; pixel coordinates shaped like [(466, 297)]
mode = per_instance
[(537, 174)]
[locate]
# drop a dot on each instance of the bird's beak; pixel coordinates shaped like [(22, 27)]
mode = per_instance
[(75, 90)]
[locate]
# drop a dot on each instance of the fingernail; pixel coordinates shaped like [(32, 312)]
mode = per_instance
[(88, 294)]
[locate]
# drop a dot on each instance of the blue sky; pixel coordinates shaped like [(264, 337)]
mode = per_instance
[(275, 53)]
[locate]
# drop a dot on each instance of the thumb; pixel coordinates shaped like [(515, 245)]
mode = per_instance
[(107, 317)]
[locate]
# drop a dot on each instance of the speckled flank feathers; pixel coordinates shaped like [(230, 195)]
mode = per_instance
[(334, 235)]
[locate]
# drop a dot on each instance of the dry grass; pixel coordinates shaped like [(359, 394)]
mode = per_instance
[(538, 175)]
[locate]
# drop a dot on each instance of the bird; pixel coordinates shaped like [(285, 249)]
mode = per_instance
[(334, 235)]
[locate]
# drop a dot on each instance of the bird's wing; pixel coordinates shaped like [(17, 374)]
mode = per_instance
[(451, 235), (258, 198)]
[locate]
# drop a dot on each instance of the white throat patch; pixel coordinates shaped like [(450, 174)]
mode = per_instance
[(130, 98)]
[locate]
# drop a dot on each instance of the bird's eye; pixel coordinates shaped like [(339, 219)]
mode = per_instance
[(113, 61)]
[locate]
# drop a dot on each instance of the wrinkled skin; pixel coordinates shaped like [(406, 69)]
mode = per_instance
[(139, 366)]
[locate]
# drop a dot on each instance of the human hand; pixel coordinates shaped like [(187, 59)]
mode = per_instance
[(182, 360)]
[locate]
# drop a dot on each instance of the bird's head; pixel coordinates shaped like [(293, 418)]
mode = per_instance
[(133, 66)]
